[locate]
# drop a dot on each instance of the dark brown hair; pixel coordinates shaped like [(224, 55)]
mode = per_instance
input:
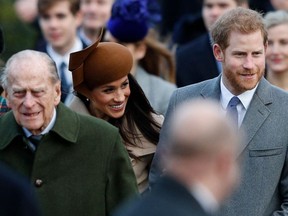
[(158, 60), (138, 117)]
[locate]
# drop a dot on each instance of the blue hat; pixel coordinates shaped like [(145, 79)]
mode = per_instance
[(130, 20)]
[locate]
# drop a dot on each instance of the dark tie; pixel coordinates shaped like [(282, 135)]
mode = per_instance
[(232, 109), (33, 142), (64, 84)]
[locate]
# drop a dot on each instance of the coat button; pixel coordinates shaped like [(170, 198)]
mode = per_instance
[(38, 182)]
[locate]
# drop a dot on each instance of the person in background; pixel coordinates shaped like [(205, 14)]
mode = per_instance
[(1, 46), (106, 90), (3, 104), (27, 12), (77, 164), (259, 109), (195, 61), (174, 13), (201, 166), (279, 4), (277, 51), (59, 20), (153, 64), (96, 14)]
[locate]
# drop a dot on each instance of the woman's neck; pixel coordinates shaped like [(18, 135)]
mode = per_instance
[(279, 79)]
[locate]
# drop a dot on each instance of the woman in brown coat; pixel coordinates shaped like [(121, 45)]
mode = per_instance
[(106, 90)]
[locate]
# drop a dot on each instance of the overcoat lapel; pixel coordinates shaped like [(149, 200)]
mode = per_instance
[(257, 112), (212, 89)]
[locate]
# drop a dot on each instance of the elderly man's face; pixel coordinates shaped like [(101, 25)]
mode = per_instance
[(96, 13), (31, 94)]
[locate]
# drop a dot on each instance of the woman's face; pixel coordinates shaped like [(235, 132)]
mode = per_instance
[(279, 4), (95, 13), (110, 100), (277, 50)]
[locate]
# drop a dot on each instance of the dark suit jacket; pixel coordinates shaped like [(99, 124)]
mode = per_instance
[(263, 189), (188, 28), (172, 11), (168, 198), (42, 46), (16, 195), (195, 62)]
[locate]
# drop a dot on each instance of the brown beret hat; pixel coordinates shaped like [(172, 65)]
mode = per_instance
[(98, 64)]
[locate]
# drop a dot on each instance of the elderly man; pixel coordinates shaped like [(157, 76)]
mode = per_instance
[(259, 109), (16, 194), (78, 164), (201, 167)]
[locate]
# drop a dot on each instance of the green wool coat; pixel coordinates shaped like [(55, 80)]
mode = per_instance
[(80, 167)]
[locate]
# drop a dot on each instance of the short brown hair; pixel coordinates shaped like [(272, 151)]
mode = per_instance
[(44, 5), (240, 20)]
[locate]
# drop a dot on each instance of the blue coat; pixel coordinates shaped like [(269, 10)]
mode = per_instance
[(16, 195)]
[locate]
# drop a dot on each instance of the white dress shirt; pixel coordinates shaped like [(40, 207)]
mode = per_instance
[(46, 130), (245, 99)]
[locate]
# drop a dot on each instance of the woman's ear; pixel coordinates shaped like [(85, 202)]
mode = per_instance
[(140, 50)]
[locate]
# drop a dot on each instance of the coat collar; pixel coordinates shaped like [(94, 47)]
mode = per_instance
[(258, 109), (212, 89), (10, 131), (66, 126), (67, 123)]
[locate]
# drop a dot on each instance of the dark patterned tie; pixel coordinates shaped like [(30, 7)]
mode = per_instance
[(232, 109), (33, 142)]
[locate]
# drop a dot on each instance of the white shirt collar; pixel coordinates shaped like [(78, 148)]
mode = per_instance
[(58, 59), (47, 129), (205, 198), (245, 97)]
